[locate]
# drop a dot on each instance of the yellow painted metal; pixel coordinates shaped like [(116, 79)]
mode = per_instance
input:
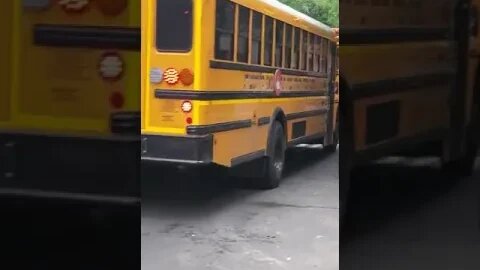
[(59, 90), (164, 116)]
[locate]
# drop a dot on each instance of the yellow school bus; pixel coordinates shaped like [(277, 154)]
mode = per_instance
[(230, 82), (408, 82), (70, 96)]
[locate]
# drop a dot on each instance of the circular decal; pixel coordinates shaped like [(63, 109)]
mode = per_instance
[(277, 82)]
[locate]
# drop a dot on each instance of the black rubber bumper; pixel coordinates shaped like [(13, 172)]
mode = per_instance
[(176, 149), (72, 168)]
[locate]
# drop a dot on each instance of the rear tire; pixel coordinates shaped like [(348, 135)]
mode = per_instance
[(275, 161), (332, 148)]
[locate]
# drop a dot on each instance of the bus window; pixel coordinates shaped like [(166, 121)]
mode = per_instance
[(225, 26), (288, 46), (268, 39), (304, 50), (279, 43), (323, 60), (257, 21), (310, 51), (174, 20), (317, 51), (243, 34), (296, 49)]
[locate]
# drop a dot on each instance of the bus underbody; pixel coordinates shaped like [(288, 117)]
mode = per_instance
[(103, 170)]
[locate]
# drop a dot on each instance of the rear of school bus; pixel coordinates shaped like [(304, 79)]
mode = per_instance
[(197, 110), (71, 127)]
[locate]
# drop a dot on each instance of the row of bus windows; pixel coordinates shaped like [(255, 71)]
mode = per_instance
[(398, 3), (283, 45)]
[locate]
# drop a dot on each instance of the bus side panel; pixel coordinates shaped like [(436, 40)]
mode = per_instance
[(6, 25), (60, 87), (414, 118)]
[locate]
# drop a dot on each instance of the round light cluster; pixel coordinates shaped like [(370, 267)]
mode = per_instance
[(171, 76), (111, 66), (156, 75), (187, 106), (74, 5)]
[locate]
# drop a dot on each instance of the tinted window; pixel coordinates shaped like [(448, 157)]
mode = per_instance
[(296, 49), (323, 56), (279, 44), (225, 25), (176, 13), (268, 41), (304, 50), (310, 51), (317, 53), (243, 34), (288, 46), (257, 22)]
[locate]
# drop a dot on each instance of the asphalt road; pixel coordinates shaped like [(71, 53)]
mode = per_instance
[(408, 214), (191, 222)]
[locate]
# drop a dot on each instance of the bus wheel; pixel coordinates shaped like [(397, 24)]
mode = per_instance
[(275, 161), (336, 137)]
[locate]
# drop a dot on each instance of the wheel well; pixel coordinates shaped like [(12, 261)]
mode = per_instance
[(279, 115)]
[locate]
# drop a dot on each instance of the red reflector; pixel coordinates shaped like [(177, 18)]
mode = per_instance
[(186, 77), (189, 120), (117, 100)]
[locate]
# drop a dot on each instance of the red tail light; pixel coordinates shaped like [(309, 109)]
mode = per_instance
[(117, 100), (186, 77)]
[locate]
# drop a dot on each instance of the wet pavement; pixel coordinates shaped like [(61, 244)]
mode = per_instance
[(408, 214), (197, 223)]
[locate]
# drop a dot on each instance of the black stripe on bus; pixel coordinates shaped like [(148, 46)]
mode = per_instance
[(392, 35), (233, 125), (127, 38), (263, 121), (306, 114), (220, 127), (227, 95), (262, 69), (392, 86)]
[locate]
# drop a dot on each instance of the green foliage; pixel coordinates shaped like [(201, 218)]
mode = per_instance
[(325, 11)]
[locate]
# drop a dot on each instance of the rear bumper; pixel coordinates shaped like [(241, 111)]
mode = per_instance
[(195, 150), (76, 168)]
